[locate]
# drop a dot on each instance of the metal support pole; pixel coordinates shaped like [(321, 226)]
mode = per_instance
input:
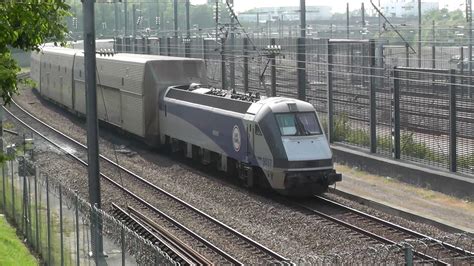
[(347, 21), (168, 46), (362, 12), (161, 42), (125, 13), (470, 90), (187, 44), (380, 22), (232, 48), (223, 66), (258, 24), (36, 212), (396, 113), (273, 70), (48, 219), (78, 239), (246, 65), (461, 59), (301, 65), (408, 255), (92, 126), (452, 122), (433, 48), (116, 19), (175, 16), (61, 231), (303, 18), (407, 55), (122, 244), (419, 33), (134, 33), (373, 97), (330, 103), (13, 193), (4, 190)]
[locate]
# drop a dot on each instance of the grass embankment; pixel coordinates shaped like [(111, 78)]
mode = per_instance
[(12, 250)]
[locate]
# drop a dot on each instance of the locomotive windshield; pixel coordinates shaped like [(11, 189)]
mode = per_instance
[(298, 124)]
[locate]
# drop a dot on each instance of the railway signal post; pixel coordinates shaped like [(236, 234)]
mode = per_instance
[(92, 129)]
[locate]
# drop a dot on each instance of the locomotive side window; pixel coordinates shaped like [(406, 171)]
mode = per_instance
[(298, 124)]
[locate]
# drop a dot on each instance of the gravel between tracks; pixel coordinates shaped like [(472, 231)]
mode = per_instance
[(288, 231)]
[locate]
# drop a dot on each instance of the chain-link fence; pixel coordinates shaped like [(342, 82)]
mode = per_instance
[(352, 83), (55, 220)]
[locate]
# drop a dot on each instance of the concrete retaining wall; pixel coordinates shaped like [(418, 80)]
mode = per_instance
[(435, 179)]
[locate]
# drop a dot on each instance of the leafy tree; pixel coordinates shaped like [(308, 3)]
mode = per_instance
[(26, 24)]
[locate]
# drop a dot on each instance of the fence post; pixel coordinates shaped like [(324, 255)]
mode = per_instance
[(122, 244), (273, 70), (61, 222), (301, 66), (78, 238), (48, 219), (330, 103), (433, 56), (407, 54), (13, 193), (373, 97), (452, 121), (396, 112), (24, 207), (36, 211), (223, 66), (4, 191), (408, 255), (168, 46), (461, 59), (246, 65)]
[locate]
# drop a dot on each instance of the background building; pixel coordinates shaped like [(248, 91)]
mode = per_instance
[(286, 13), (407, 8)]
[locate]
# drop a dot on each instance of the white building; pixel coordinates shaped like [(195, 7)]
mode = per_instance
[(286, 13), (407, 8)]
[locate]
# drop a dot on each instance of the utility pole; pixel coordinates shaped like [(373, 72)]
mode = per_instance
[(301, 55), (347, 20), (419, 33), (232, 44), (187, 44), (125, 13), (258, 24), (216, 18), (380, 24), (175, 9), (469, 24), (362, 12), (116, 19), (92, 128), (134, 33), (303, 18)]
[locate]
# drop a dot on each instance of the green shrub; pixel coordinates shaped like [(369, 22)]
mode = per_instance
[(466, 161)]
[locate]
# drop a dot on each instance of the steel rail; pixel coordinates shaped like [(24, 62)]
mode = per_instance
[(225, 255), (397, 227), (272, 254), (168, 243), (365, 232)]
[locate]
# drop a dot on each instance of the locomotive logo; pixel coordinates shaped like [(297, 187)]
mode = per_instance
[(236, 138)]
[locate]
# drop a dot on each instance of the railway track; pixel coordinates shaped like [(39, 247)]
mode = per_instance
[(167, 242), (435, 251), (227, 243)]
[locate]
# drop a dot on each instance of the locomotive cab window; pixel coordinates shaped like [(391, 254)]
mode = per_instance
[(298, 124)]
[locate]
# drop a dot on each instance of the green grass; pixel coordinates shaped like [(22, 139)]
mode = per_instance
[(12, 250), (42, 246)]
